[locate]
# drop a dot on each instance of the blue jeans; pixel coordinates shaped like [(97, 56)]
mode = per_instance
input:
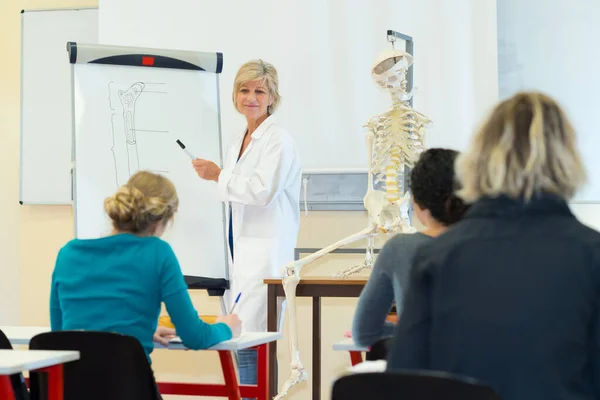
[(248, 367)]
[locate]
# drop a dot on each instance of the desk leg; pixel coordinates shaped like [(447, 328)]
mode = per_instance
[(355, 357), (55, 381), (6, 389), (316, 345), (263, 372), (231, 382), (272, 327)]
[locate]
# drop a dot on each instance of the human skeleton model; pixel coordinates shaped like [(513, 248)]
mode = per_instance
[(394, 140), (128, 99)]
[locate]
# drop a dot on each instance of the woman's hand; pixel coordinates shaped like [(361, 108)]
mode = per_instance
[(233, 322), (163, 335), (207, 170)]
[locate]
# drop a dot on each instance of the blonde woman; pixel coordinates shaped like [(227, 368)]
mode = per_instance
[(117, 283), (260, 182), (510, 295)]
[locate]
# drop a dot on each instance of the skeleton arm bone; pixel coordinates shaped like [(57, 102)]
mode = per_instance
[(370, 139)]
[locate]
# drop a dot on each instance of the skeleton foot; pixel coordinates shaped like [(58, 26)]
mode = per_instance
[(298, 375), (353, 270)]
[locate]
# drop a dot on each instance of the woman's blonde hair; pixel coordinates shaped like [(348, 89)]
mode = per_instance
[(258, 69), (526, 146), (145, 200)]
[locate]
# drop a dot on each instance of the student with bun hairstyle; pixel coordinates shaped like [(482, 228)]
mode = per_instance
[(117, 283), (436, 207)]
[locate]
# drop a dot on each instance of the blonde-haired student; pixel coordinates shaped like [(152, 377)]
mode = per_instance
[(117, 283), (510, 295)]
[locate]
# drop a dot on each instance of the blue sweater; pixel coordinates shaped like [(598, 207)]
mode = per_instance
[(117, 284)]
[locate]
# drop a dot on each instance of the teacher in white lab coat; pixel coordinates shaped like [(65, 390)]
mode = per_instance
[(260, 182)]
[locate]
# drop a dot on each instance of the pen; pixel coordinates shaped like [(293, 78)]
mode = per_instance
[(190, 155), (235, 304)]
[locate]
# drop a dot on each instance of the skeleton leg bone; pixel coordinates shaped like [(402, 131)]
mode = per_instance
[(298, 374), (291, 277)]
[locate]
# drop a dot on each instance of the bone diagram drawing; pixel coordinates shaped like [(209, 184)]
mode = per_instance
[(127, 148), (128, 99)]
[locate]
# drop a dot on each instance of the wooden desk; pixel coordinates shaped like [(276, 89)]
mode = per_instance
[(51, 362), (21, 335), (315, 287)]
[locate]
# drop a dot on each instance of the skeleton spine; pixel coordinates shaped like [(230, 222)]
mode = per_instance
[(391, 175)]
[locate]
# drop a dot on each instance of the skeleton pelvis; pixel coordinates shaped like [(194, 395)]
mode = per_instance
[(374, 201), (382, 212)]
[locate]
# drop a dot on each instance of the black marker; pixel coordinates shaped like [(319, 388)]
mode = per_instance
[(186, 150)]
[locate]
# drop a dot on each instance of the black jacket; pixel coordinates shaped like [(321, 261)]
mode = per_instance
[(510, 296)]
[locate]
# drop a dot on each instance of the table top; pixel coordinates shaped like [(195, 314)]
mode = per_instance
[(16, 361), (245, 341), (323, 280), (23, 334), (348, 345)]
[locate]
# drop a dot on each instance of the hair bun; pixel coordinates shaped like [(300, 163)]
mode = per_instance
[(142, 203), (126, 207)]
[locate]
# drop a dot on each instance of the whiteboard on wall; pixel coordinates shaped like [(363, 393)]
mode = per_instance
[(128, 117), (557, 57), (45, 175)]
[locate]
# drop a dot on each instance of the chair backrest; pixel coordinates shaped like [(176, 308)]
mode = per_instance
[(379, 349), (417, 385), (17, 380), (111, 366)]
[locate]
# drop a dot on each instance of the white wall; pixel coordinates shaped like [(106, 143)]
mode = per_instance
[(550, 45), (324, 51)]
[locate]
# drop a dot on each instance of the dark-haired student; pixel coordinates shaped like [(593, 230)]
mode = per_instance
[(436, 207)]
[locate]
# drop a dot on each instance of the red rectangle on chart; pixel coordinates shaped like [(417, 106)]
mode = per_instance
[(146, 60)]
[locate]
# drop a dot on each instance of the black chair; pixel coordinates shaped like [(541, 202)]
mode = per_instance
[(410, 385), (379, 350), (111, 366), (17, 380)]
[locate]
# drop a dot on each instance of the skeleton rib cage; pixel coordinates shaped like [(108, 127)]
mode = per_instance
[(397, 141)]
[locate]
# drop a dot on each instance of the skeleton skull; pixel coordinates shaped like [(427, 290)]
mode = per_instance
[(389, 71)]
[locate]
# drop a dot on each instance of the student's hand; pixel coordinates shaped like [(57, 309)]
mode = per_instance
[(233, 322), (207, 170), (163, 335)]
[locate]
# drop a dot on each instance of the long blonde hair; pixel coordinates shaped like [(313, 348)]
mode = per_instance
[(526, 146), (146, 200)]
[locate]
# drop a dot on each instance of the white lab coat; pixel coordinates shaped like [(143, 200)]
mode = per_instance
[(263, 190)]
